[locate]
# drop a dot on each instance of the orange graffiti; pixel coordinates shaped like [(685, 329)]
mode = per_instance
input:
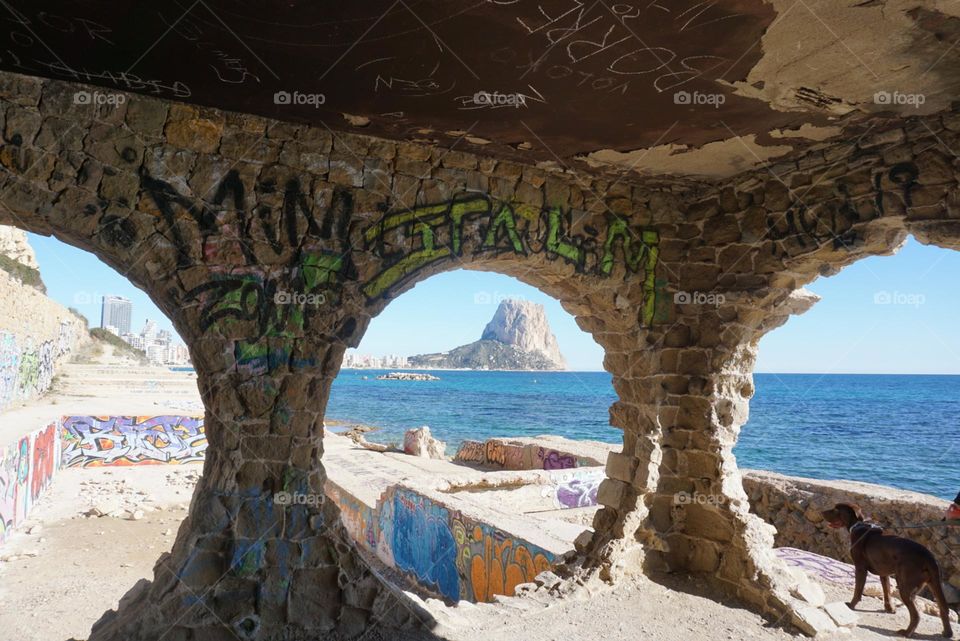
[(494, 565)]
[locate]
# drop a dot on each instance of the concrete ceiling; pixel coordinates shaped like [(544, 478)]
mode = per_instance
[(685, 87)]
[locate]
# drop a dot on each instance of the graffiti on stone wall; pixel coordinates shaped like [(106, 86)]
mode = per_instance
[(296, 261), (832, 222), (492, 562), (27, 367), (408, 240), (92, 441)]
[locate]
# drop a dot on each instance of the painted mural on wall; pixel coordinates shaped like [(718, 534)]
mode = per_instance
[(511, 455), (27, 365), (491, 562), (452, 554), (423, 544), (92, 441), (575, 488), (27, 468)]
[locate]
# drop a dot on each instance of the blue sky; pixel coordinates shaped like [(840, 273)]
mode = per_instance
[(852, 330), (78, 279)]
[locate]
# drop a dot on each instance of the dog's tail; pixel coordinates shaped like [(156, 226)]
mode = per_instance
[(933, 582)]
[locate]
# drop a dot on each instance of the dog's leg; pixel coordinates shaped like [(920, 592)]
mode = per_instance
[(937, 590), (906, 595), (861, 580), (887, 603)]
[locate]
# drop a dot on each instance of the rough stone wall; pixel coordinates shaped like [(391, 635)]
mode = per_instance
[(792, 505), (271, 246)]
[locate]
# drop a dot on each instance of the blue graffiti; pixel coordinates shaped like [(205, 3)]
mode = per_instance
[(423, 543)]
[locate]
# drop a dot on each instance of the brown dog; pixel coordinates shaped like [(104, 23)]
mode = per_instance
[(911, 564)]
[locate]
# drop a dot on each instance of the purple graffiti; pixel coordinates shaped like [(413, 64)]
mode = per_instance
[(90, 441)]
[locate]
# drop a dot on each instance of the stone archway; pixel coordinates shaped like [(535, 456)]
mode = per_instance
[(271, 245), (270, 265)]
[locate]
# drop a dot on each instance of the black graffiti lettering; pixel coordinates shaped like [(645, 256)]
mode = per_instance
[(294, 201), (165, 197), (337, 215), (905, 174)]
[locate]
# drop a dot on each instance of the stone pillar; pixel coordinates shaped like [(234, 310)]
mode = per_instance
[(262, 554)]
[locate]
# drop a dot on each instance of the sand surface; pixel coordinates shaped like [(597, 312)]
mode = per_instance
[(84, 564)]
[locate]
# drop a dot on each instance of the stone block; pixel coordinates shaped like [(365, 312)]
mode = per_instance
[(807, 589), (813, 621), (841, 614), (621, 466)]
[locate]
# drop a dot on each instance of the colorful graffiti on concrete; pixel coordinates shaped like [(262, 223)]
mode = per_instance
[(822, 567), (358, 518), (408, 240), (423, 543), (575, 488), (27, 467), (26, 367), (554, 460), (44, 460), (512, 455), (91, 441), (492, 562), (452, 554)]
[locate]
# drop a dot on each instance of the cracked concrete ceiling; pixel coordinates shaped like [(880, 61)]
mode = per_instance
[(684, 87)]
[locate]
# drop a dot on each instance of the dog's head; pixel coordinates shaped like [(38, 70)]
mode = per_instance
[(843, 515)]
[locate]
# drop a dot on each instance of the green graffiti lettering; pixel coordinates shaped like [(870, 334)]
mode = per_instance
[(507, 226), (562, 248), (408, 264), (503, 222)]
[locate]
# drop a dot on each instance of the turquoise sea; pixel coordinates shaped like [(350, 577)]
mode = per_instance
[(902, 431)]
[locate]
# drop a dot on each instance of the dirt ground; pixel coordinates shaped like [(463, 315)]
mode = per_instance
[(58, 576)]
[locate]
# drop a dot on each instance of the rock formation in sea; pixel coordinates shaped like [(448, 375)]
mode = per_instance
[(517, 337)]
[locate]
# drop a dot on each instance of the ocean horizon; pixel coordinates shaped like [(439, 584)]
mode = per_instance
[(899, 430)]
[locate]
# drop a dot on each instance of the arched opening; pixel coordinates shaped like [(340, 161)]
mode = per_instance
[(856, 402), (101, 436), (503, 484)]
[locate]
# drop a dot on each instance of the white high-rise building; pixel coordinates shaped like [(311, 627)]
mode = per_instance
[(115, 312)]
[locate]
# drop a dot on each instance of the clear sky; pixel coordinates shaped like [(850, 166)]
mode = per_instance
[(78, 279), (852, 330)]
